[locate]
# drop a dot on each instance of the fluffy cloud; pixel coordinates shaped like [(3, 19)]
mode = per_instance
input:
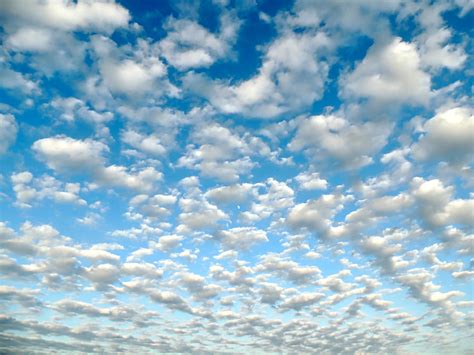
[(164, 208), (241, 238), (28, 189), (189, 45), (390, 72), (198, 214), (436, 204), (448, 136), (311, 181), (317, 215), (335, 138), (291, 77), (68, 15), (70, 156), (221, 153), (133, 74)]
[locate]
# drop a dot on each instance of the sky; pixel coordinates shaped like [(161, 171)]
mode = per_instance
[(236, 176)]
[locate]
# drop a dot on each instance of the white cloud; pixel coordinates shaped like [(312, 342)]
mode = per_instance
[(28, 189), (316, 216), (311, 181), (292, 77), (71, 109), (221, 153), (8, 132), (12, 80), (231, 193), (131, 72), (149, 144), (70, 156), (328, 137), (68, 15), (448, 136), (436, 204), (242, 238), (190, 45), (390, 73), (198, 214)]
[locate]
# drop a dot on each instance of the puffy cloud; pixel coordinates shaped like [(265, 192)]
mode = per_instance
[(198, 215), (25, 297), (278, 196), (46, 30), (231, 193), (287, 269), (436, 51), (190, 45), (167, 242), (242, 238), (71, 109), (436, 206), (13, 80), (316, 216), (271, 249), (298, 302), (45, 187), (71, 156), (152, 207), (47, 51), (8, 131), (384, 253), (390, 72), (448, 136), (67, 15), (149, 144), (292, 77), (419, 283), (333, 137), (131, 73), (311, 181), (221, 154)]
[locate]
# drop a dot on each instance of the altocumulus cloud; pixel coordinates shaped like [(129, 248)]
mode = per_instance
[(236, 176)]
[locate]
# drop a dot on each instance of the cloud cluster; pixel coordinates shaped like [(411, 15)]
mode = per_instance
[(236, 177)]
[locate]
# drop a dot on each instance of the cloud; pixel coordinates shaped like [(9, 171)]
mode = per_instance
[(70, 156), (328, 136), (149, 144), (147, 198), (298, 302), (45, 187), (437, 207), (8, 132), (71, 109), (130, 73), (12, 80), (221, 153), (390, 73), (67, 15), (198, 215), (311, 181), (190, 45), (316, 216), (291, 77), (448, 136), (231, 193), (242, 238)]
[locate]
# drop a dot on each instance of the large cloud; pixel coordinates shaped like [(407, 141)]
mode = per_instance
[(448, 136), (390, 73)]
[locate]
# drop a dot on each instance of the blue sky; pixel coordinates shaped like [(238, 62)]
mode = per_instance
[(236, 176)]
